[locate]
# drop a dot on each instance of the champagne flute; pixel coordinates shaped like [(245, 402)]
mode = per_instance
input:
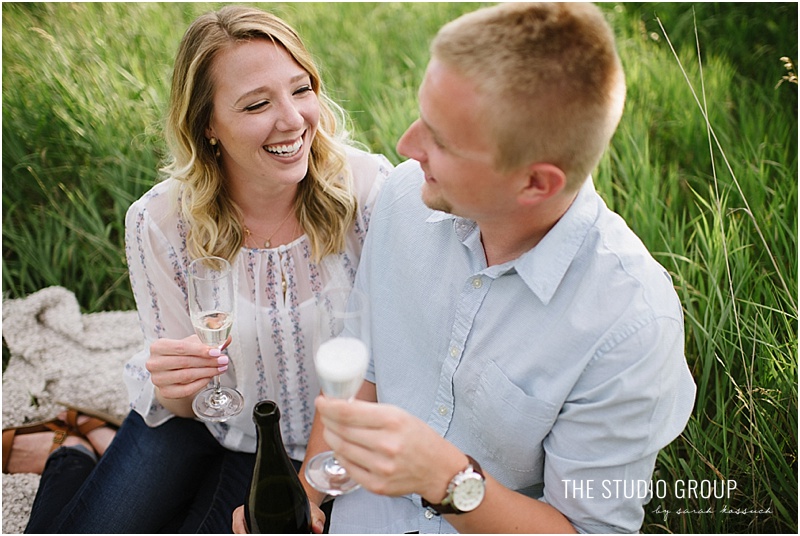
[(342, 340), (211, 309)]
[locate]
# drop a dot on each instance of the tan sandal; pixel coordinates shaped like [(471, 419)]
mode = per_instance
[(107, 418), (95, 420), (93, 423), (59, 427)]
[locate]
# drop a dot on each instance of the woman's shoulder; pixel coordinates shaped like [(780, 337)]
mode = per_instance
[(158, 203), (369, 170), (366, 164)]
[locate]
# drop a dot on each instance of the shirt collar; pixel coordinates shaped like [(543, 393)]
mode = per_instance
[(437, 216), (462, 226), (543, 267)]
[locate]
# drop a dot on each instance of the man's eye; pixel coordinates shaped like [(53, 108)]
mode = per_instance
[(256, 106)]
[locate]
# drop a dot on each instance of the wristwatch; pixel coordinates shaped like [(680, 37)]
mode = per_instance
[(464, 493)]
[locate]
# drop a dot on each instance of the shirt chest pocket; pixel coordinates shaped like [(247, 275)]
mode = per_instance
[(509, 424)]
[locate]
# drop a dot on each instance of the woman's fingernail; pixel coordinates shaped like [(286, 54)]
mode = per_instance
[(214, 352), (222, 368), (222, 360)]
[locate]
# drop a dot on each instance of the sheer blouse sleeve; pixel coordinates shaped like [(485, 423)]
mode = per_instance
[(155, 252)]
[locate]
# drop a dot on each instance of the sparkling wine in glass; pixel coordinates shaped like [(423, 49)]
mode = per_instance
[(341, 337), (211, 306)]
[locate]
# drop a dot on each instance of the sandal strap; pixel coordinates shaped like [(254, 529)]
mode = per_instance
[(58, 438), (111, 421), (92, 423), (8, 440), (60, 429)]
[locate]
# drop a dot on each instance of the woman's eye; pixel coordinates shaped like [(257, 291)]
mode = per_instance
[(256, 106), (304, 89)]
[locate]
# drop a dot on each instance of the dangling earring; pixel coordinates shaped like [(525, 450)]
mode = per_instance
[(213, 143)]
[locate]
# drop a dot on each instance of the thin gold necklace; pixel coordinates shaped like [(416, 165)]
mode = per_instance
[(267, 242)]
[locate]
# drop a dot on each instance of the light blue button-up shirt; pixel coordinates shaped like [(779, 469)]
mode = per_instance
[(561, 372)]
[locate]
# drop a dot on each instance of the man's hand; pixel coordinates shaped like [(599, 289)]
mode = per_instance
[(390, 452), (387, 450), (317, 520)]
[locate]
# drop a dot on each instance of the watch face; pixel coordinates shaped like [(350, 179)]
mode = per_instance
[(468, 494)]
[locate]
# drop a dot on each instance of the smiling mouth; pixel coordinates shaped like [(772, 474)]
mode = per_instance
[(285, 149)]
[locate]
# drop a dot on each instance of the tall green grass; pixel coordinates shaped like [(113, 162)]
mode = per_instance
[(711, 188), (704, 168)]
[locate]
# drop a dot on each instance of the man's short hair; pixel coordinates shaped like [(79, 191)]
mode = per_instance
[(552, 79)]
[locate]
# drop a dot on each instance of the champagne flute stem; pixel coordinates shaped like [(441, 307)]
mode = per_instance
[(334, 468), (216, 380), (217, 397)]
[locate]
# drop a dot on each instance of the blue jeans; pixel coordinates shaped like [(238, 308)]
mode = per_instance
[(174, 478)]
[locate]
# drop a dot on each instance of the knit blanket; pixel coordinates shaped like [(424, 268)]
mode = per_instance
[(59, 354)]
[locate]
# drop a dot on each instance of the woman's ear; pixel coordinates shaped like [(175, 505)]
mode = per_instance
[(541, 181)]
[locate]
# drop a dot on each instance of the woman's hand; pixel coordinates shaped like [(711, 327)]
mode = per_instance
[(181, 368)]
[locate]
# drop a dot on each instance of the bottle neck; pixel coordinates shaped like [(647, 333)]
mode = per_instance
[(267, 418), (270, 437)]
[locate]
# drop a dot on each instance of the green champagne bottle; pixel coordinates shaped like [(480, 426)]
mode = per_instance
[(277, 502)]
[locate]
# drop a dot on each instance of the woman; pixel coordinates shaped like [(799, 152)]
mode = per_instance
[(262, 174)]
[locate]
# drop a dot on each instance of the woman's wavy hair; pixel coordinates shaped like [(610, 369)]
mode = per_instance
[(324, 205)]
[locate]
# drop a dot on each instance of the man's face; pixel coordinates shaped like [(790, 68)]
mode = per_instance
[(454, 149)]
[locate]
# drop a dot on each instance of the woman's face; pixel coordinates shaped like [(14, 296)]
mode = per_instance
[(265, 115)]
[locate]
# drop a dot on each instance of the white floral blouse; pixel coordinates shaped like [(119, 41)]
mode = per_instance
[(271, 354)]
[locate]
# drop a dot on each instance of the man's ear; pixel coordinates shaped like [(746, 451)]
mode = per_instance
[(541, 181)]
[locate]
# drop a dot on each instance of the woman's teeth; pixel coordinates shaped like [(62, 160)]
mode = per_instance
[(285, 150)]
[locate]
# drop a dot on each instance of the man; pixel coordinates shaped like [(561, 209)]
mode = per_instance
[(515, 319)]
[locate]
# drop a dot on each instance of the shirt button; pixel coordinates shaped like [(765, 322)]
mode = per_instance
[(454, 351), (443, 410), (477, 283), (428, 514)]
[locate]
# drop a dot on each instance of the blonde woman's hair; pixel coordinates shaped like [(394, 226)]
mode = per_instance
[(324, 205), (552, 79)]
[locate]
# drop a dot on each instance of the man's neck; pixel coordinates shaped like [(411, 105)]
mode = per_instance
[(500, 247), (509, 238)]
